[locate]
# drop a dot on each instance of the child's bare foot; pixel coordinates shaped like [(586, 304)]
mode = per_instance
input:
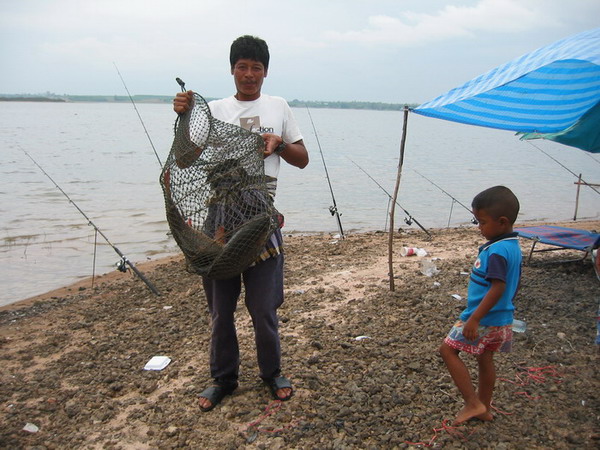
[(486, 416), (470, 411)]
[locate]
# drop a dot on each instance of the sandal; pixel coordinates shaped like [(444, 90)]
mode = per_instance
[(214, 394), (277, 383)]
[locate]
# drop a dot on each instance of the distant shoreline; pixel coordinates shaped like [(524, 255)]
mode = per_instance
[(31, 99), (161, 99)]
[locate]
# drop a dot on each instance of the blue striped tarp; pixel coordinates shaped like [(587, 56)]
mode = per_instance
[(545, 91)]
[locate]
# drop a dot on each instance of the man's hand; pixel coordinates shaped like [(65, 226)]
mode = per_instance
[(271, 143), (182, 102)]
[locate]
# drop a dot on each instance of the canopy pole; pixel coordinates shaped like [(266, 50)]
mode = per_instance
[(577, 198), (393, 208)]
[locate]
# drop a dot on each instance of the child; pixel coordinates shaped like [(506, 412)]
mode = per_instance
[(485, 326)]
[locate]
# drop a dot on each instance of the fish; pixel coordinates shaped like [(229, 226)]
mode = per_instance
[(199, 249), (248, 241)]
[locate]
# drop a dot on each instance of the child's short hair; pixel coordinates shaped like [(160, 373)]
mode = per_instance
[(498, 201), (249, 47)]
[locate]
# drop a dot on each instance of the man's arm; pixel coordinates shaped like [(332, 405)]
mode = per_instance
[(294, 153)]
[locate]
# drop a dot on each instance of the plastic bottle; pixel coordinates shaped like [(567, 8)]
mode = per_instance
[(519, 326), (408, 251), (412, 251)]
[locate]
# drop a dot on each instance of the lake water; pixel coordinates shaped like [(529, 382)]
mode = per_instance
[(101, 157)]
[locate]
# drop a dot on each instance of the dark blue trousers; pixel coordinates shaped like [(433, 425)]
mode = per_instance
[(263, 285)]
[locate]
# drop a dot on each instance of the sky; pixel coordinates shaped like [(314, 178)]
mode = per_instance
[(392, 51)]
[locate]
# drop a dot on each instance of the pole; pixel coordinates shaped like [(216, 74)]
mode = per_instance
[(450, 215), (577, 198), (393, 208)]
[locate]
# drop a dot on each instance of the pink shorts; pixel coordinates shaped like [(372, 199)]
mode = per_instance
[(494, 339)]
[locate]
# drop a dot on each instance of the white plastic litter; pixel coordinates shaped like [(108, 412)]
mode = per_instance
[(360, 338), (457, 297), (157, 363), (519, 326), (428, 268), (31, 428)]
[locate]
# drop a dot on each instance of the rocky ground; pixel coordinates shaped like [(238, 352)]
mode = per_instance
[(363, 358)]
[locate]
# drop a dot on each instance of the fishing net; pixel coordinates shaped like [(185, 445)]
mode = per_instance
[(217, 203)]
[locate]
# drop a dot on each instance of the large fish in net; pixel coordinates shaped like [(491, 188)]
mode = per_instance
[(217, 203)]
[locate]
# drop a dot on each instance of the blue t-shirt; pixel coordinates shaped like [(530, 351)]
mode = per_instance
[(498, 259)]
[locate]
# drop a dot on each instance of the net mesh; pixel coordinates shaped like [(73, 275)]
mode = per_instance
[(217, 203)]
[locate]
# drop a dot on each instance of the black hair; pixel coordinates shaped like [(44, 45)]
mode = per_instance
[(249, 47), (498, 201)]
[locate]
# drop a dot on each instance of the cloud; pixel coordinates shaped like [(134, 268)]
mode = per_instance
[(411, 29), (69, 16), (124, 50), (314, 43)]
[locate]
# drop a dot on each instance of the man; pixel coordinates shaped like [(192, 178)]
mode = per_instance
[(273, 119)]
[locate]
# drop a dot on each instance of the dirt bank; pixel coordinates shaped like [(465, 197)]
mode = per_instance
[(363, 359)]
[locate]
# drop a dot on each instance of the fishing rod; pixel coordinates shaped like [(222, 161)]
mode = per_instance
[(121, 265), (589, 155), (564, 167), (332, 209), (453, 198), (408, 220), (473, 219), (139, 116)]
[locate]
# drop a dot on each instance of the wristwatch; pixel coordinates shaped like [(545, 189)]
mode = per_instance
[(280, 148)]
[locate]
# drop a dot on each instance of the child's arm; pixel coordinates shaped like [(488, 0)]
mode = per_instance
[(488, 302)]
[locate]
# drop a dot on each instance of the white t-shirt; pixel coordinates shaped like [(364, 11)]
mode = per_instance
[(266, 114)]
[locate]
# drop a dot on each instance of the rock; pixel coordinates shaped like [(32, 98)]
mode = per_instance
[(72, 408), (148, 386)]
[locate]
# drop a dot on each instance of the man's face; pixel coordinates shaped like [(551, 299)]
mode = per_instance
[(248, 76)]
